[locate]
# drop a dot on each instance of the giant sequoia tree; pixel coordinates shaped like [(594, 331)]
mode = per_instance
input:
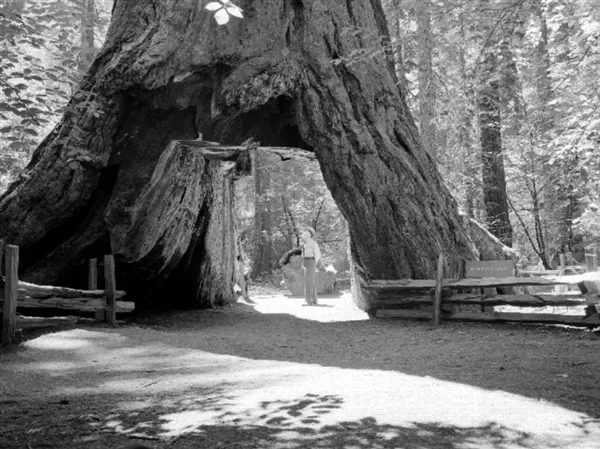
[(113, 176)]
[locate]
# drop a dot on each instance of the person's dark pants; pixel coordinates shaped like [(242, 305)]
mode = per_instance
[(310, 278)]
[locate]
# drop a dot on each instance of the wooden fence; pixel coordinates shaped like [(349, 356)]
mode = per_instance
[(400, 298), (23, 295)]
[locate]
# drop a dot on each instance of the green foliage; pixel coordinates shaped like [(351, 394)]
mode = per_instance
[(559, 137), (40, 60), (551, 142)]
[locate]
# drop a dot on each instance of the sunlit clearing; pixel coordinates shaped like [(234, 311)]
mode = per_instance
[(173, 390), (330, 308)]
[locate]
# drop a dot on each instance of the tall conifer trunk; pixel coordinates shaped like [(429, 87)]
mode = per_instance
[(494, 178), (88, 16), (489, 103), (426, 77)]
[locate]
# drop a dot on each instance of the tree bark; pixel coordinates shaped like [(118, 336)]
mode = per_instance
[(88, 15), (472, 163), (111, 178), (393, 11), (489, 101), (15, 6), (426, 78), (494, 178), (564, 200)]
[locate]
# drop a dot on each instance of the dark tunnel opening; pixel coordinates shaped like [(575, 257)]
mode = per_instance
[(273, 124)]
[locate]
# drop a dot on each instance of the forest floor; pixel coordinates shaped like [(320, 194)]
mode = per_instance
[(277, 374)]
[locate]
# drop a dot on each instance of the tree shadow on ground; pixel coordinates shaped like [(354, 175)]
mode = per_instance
[(487, 355), (206, 418), (103, 386)]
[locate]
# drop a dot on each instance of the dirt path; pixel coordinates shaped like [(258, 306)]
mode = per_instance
[(277, 374)]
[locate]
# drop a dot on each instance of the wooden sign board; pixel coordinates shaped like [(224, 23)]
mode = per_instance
[(489, 268)]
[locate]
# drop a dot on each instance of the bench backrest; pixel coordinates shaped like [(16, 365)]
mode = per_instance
[(489, 268)]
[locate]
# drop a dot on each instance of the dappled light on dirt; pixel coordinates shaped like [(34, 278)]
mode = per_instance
[(175, 393), (63, 342)]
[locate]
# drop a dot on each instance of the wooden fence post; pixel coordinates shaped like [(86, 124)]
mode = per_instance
[(93, 274), (457, 270), (563, 262), (437, 300), (1, 257), (591, 259), (570, 260), (110, 289), (11, 293), (100, 314)]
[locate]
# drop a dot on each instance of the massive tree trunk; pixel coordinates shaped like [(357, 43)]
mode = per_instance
[(111, 178)]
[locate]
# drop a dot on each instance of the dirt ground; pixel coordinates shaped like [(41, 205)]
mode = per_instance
[(277, 374)]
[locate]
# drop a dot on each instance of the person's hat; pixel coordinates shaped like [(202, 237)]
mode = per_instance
[(312, 232)]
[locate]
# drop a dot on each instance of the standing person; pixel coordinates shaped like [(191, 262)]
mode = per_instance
[(311, 257)]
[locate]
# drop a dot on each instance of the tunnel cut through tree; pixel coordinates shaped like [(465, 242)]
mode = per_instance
[(110, 178)]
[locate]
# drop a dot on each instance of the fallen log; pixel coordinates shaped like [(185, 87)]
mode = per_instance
[(33, 296), (541, 318), (36, 322), (214, 150), (81, 304), (28, 290)]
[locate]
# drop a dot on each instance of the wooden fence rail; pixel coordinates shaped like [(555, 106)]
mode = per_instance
[(15, 293), (396, 297)]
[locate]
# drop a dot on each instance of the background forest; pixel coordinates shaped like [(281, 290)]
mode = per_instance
[(506, 94)]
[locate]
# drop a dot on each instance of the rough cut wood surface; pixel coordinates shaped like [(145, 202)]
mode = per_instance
[(51, 297), (500, 300), (215, 151), (81, 304), (29, 290), (36, 322)]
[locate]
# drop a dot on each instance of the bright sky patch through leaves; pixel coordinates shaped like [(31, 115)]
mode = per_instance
[(223, 9)]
